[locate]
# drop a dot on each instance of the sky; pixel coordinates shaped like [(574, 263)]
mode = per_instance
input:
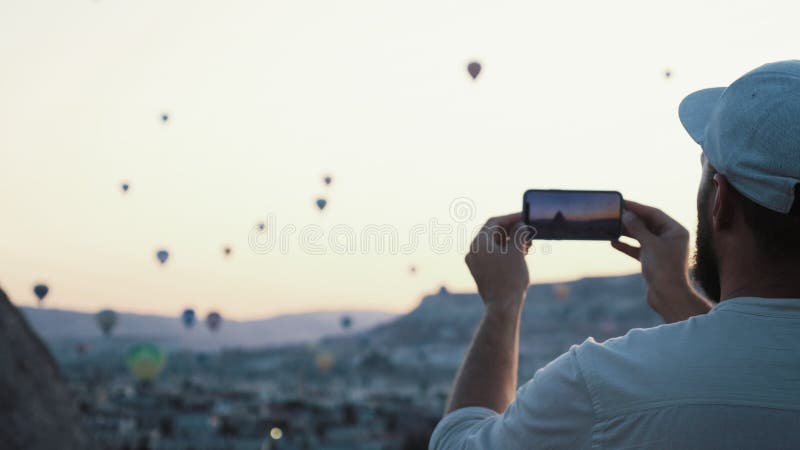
[(266, 97), (573, 205)]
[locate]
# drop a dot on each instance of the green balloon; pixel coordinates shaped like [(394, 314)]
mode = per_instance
[(146, 361)]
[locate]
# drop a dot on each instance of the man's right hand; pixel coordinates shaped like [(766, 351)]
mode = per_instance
[(664, 255), (496, 260)]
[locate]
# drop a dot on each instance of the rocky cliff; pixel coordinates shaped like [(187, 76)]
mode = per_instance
[(36, 409)]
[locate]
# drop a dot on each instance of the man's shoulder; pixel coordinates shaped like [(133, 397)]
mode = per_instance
[(664, 338), (646, 365)]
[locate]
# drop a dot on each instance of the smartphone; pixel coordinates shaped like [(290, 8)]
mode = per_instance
[(573, 215)]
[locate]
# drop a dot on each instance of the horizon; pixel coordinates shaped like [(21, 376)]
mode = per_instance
[(176, 317), (297, 313), (264, 100)]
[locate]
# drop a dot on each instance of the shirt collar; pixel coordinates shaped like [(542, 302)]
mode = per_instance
[(775, 307)]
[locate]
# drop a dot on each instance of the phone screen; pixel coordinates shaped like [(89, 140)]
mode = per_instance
[(578, 215)]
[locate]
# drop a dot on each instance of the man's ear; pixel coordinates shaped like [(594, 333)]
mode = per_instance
[(724, 204)]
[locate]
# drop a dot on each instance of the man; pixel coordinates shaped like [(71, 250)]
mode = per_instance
[(716, 375)]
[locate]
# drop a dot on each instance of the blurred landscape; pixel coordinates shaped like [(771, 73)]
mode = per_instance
[(381, 384), (66, 330)]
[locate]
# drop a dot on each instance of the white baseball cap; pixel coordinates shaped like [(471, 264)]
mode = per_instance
[(750, 132)]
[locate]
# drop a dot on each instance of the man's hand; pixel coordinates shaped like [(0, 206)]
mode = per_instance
[(497, 262), (664, 254), (488, 375)]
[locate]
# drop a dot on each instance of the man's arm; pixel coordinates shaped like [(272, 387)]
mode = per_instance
[(664, 255), (488, 376), (554, 409)]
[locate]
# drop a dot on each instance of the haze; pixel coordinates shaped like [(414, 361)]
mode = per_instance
[(265, 98)]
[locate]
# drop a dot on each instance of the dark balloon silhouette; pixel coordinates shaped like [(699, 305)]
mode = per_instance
[(474, 69), (188, 317), (261, 226), (125, 187), (164, 118), (227, 251), (213, 321), (162, 256), (667, 74), (41, 291), (413, 270), (328, 179), (106, 320), (346, 322), (321, 203)]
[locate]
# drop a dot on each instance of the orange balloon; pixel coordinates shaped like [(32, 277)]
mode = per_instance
[(561, 291)]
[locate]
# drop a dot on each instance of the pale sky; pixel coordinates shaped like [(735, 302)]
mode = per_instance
[(574, 205), (266, 97)]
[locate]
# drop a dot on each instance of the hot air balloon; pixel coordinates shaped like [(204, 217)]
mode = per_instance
[(213, 321), (346, 322), (41, 291), (474, 69), (164, 117), (667, 74), (327, 179), (106, 320), (324, 361), (227, 250), (321, 203), (413, 270), (125, 187), (561, 291), (145, 361), (162, 256), (188, 317), (261, 226)]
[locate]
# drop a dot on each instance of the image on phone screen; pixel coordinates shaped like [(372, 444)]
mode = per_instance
[(578, 215)]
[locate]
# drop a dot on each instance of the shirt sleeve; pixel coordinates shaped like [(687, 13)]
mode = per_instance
[(553, 410)]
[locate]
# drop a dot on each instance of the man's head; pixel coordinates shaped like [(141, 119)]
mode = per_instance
[(771, 238), (749, 197)]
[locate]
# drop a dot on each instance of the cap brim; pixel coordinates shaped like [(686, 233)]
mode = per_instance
[(695, 111)]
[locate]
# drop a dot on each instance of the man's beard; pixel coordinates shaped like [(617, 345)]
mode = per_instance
[(706, 266)]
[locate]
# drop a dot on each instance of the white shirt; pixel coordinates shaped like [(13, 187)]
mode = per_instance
[(729, 379)]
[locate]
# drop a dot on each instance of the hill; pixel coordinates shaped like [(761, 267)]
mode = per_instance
[(63, 330), (436, 333)]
